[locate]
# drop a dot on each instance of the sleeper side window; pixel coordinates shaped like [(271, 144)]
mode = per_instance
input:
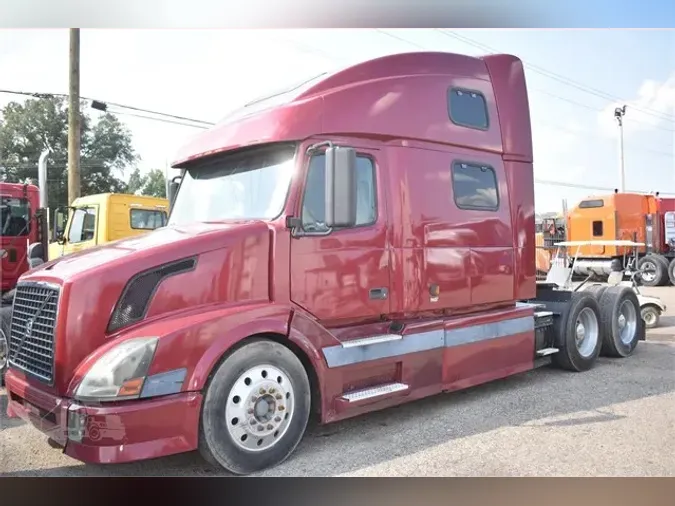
[(468, 108), (474, 187), (314, 199)]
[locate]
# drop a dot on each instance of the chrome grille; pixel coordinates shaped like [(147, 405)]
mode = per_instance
[(31, 342)]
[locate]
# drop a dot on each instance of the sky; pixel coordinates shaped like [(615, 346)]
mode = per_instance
[(575, 79)]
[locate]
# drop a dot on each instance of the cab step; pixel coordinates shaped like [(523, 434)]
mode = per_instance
[(366, 341), (373, 392), (547, 351), (543, 319)]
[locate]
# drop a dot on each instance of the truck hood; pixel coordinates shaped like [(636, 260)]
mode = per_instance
[(160, 245), (232, 265)]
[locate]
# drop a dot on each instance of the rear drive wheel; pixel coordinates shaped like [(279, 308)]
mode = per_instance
[(654, 270), (665, 264), (5, 322), (621, 324), (596, 290), (671, 271), (651, 316), (256, 408), (579, 333)]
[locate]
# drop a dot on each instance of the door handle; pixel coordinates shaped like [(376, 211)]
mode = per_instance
[(379, 293)]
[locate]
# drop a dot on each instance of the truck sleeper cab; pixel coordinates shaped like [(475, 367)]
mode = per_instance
[(363, 240)]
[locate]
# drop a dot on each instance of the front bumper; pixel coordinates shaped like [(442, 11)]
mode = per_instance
[(109, 434)]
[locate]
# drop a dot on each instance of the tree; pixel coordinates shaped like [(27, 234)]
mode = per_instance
[(152, 184), (27, 129)]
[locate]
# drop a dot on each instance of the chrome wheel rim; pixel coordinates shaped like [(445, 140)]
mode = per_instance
[(649, 271), (260, 408), (627, 322), (586, 332), (4, 350)]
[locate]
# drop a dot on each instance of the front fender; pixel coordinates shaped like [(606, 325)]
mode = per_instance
[(646, 300), (196, 340)]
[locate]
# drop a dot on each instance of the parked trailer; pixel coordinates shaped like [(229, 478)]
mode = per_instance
[(364, 240)]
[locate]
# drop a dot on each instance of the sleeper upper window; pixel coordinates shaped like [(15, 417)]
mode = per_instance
[(468, 108)]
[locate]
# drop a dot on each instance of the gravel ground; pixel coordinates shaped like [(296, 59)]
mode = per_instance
[(615, 420)]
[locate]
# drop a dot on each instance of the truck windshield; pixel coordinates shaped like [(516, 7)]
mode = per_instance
[(14, 217), (241, 186)]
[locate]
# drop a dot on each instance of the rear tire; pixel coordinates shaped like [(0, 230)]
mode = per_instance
[(5, 323), (256, 408), (671, 272), (595, 290), (655, 270), (622, 325), (665, 279), (580, 335)]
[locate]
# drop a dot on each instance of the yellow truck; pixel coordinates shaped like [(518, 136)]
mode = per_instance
[(105, 217)]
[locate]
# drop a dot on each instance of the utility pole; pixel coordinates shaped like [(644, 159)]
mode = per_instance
[(619, 113), (74, 117)]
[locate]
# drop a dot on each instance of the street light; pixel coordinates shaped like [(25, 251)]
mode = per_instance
[(619, 113)]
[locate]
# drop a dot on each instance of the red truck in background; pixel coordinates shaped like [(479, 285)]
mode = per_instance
[(18, 203), (363, 240)]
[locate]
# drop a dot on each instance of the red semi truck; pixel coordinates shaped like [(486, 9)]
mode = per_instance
[(363, 240), (18, 203)]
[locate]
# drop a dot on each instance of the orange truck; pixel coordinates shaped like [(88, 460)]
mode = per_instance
[(642, 218)]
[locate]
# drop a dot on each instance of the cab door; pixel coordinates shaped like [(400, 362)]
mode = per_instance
[(341, 276)]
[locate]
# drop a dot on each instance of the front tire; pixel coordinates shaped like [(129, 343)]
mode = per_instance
[(256, 408)]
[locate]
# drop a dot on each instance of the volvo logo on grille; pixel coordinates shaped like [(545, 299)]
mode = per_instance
[(29, 328)]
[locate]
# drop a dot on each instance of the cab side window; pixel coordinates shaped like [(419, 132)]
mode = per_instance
[(143, 219), (314, 199), (83, 225)]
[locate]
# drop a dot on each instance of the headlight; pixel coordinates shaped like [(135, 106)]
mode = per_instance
[(120, 373)]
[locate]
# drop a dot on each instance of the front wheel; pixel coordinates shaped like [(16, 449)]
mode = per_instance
[(256, 408)]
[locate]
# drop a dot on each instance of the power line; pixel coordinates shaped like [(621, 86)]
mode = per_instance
[(102, 106)]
